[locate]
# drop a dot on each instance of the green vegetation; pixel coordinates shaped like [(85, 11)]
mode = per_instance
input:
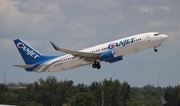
[(172, 95), (51, 92)]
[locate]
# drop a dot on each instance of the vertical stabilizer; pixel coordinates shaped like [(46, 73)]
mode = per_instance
[(30, 55)]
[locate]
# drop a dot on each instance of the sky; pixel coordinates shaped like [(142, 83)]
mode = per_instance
[(78, 24)]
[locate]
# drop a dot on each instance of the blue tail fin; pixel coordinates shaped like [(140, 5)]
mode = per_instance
[(30, 55)]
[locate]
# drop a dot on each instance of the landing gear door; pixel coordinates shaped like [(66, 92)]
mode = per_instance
[(148, 38)]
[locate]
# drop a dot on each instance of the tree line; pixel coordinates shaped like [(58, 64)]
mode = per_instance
[(51, 92)]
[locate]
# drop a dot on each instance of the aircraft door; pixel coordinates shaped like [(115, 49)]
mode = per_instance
[(148, 38)]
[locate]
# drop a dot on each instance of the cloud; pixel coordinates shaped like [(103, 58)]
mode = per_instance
[(31, 7), (74, 26), (32, 21), (165, 8), (6, 44), (83, 23), (102, 5), (157, 24), (145, 9)]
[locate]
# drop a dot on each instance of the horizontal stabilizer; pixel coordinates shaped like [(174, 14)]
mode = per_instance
[(25, 66)]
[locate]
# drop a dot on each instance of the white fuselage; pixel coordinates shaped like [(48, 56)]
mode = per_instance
[(120, 47)]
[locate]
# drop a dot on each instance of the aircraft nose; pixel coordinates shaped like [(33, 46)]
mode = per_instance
[(164, 37)]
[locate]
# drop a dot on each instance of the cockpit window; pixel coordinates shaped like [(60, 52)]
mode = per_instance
[(156, 34)]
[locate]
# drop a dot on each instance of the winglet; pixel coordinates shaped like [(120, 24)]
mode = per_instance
[(55, 46)]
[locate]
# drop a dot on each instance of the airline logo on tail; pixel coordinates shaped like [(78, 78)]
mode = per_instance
[(27, 50)]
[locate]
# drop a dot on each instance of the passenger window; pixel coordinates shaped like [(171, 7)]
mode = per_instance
[(156, 34)]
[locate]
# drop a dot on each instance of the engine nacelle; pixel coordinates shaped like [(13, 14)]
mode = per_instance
[(106, 55), (119, 58)]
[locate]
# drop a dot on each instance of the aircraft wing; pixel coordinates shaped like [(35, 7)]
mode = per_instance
[(82, 55)]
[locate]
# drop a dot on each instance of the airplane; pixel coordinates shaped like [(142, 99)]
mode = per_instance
[(111, 52)]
